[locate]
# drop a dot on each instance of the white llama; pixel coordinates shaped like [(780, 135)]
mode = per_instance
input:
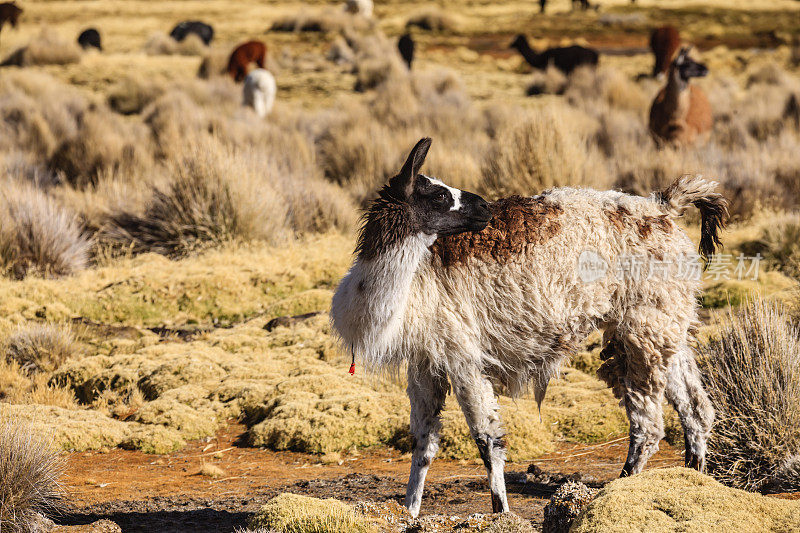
[(469, 295), (259, 91)]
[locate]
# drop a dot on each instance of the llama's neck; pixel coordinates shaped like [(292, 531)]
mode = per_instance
[(535, 60), (676, 96), (369, 307)]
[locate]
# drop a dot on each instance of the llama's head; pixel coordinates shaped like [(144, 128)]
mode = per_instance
[(14, 14), (688, 68), (436, 208), (413, 204)]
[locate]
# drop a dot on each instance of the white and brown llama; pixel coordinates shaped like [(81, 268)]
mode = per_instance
[(470, 295)]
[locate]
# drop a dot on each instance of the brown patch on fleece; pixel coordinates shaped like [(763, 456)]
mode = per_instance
[(618, 217), (516, 223), (646, 224), (621, 219)]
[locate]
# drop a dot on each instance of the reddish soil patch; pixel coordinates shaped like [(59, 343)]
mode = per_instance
[(167, 493)]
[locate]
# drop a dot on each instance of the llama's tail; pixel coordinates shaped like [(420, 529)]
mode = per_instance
[(694, 190)]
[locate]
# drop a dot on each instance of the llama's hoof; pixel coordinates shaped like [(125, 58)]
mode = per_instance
[(695, 461)]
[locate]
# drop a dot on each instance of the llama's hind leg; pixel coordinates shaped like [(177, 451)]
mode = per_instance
[(685, 393), (427, 393), (650, 338), (476, 397)]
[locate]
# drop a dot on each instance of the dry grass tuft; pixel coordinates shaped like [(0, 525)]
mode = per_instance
[(214, 63), (29, 477), (679, 499), (292, 513), (551, 81), (752, 373), (160, 43), (131, 95), (102, 143), (211, 470), (545, 150), (45, 49), (433, 19), (326, 20), (38, 236), (213, 197), (40, 347), (779, 244)]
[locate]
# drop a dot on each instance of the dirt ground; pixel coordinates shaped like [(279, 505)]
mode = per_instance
[(168, 493)]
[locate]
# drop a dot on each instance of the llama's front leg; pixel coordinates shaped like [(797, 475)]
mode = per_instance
[(427, 394), (686, 394), (477, 400)]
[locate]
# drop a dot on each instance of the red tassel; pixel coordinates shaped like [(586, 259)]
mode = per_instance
[(352, 369)]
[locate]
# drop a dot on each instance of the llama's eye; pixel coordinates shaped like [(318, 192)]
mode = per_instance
[(440, 198)]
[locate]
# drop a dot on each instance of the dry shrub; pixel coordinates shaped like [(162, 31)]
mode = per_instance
[(47, 48), (102, 143), (36, 112), (160, 43), (779, 244), (586, 86), (550, 81), (214, 63), (38, 236), (358, 153), (545, 150), (433, 19), (752, 373), (211, 470), (131, 95), (769, 73), (29, 477), (40, 347), (326, 20), (213, 197)]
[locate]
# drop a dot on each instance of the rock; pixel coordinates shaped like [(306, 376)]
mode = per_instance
[(565, 506), (287, 321), (679, 499)]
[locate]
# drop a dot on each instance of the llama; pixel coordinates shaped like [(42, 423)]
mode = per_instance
[(470, 295), (9, 12), (243, 55), (405, 45), (664, 42), (201, 29), (90, 39), (681, 113), (564, 59), (259, 91), (359, 7)]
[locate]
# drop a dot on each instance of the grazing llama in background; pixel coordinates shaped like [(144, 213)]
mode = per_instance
[(359, 7), (681, 113), (259, 91), (665, 43), (471, 295), (564, 59), (90, 39), (405, 45), (9, 12), (201, 29), (243, 56)]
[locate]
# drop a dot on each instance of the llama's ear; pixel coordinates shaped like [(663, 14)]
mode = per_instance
[(404, 181)]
